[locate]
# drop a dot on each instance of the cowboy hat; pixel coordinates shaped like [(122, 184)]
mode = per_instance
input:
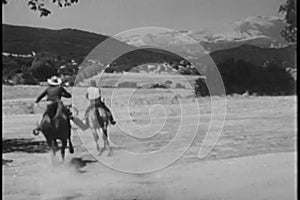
[(54, 81)]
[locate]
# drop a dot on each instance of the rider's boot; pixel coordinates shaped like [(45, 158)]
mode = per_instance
[(112, 121), (36, 131), (111, 118)]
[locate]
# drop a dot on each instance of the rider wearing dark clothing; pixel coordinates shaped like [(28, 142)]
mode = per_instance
[(54, 93)]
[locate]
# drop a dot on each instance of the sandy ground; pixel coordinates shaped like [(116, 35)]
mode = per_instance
[(269, 176), (254, 158)]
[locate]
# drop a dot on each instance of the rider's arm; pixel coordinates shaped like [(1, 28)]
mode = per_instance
[(65, 93), (41, 96)]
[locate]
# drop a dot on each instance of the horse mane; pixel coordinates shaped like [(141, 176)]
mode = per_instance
[(51, 110)]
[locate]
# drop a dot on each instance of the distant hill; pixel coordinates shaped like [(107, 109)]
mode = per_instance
[(65, 42), (72, 44), (257, 55)]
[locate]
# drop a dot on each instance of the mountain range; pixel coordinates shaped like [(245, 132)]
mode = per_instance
[(262, 31), (255, 39)]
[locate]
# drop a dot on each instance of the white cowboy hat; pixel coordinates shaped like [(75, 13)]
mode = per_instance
[(54, 80)]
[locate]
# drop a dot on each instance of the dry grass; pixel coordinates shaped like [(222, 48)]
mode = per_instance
[(21, 91)]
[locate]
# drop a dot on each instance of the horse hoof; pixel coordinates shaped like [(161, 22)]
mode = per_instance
[(101, 151), (71, 150), (35, 132)]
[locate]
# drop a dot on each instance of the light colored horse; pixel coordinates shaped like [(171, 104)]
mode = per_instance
[(98, 120)]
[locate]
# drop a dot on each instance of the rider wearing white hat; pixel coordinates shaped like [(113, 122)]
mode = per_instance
[(54, 81), (54, 93)]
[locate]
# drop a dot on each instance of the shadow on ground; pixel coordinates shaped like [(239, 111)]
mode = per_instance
[(78, 163), (28, 145)]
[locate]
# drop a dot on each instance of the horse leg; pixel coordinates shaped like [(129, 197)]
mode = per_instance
[(50, 144), (55, 145), (100, 150), (71, 149), (105, 139), (63, 147), (96, 138)]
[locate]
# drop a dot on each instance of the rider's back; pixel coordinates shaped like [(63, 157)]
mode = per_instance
[(93, 93), (54, 93)]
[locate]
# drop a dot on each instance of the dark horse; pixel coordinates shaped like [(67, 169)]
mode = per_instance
[(57, 129)]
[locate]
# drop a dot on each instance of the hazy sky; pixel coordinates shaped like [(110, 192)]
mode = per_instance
[(113, 16)]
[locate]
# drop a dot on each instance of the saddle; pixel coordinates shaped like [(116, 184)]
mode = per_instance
[(51, 112)]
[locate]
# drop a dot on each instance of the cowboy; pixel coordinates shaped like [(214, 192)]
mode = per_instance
[(93, 94), (54, 93)]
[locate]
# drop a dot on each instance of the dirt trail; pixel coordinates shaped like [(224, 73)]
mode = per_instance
[(253, 159), (270, 176)]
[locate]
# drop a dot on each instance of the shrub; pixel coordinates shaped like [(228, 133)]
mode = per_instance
[(240, 76)]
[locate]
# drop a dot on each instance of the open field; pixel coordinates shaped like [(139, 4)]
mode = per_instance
[(112, 80), (254, 157)]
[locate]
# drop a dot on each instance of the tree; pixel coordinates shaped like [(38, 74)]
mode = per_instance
[(240, 76), (200, 88), (43, 67), (289, 9), (39, 5)]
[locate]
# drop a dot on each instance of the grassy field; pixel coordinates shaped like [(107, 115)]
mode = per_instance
[(21, 91), (112, 80)]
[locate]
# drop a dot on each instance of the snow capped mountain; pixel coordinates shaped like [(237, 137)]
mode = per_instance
[(262, 31), (268, 26)]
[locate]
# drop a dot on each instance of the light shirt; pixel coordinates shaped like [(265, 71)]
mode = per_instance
[(93, 93)]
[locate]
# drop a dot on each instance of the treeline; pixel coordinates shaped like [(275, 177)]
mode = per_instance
[(32, 71), (13, 67), (273, 78), (241, 77)]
